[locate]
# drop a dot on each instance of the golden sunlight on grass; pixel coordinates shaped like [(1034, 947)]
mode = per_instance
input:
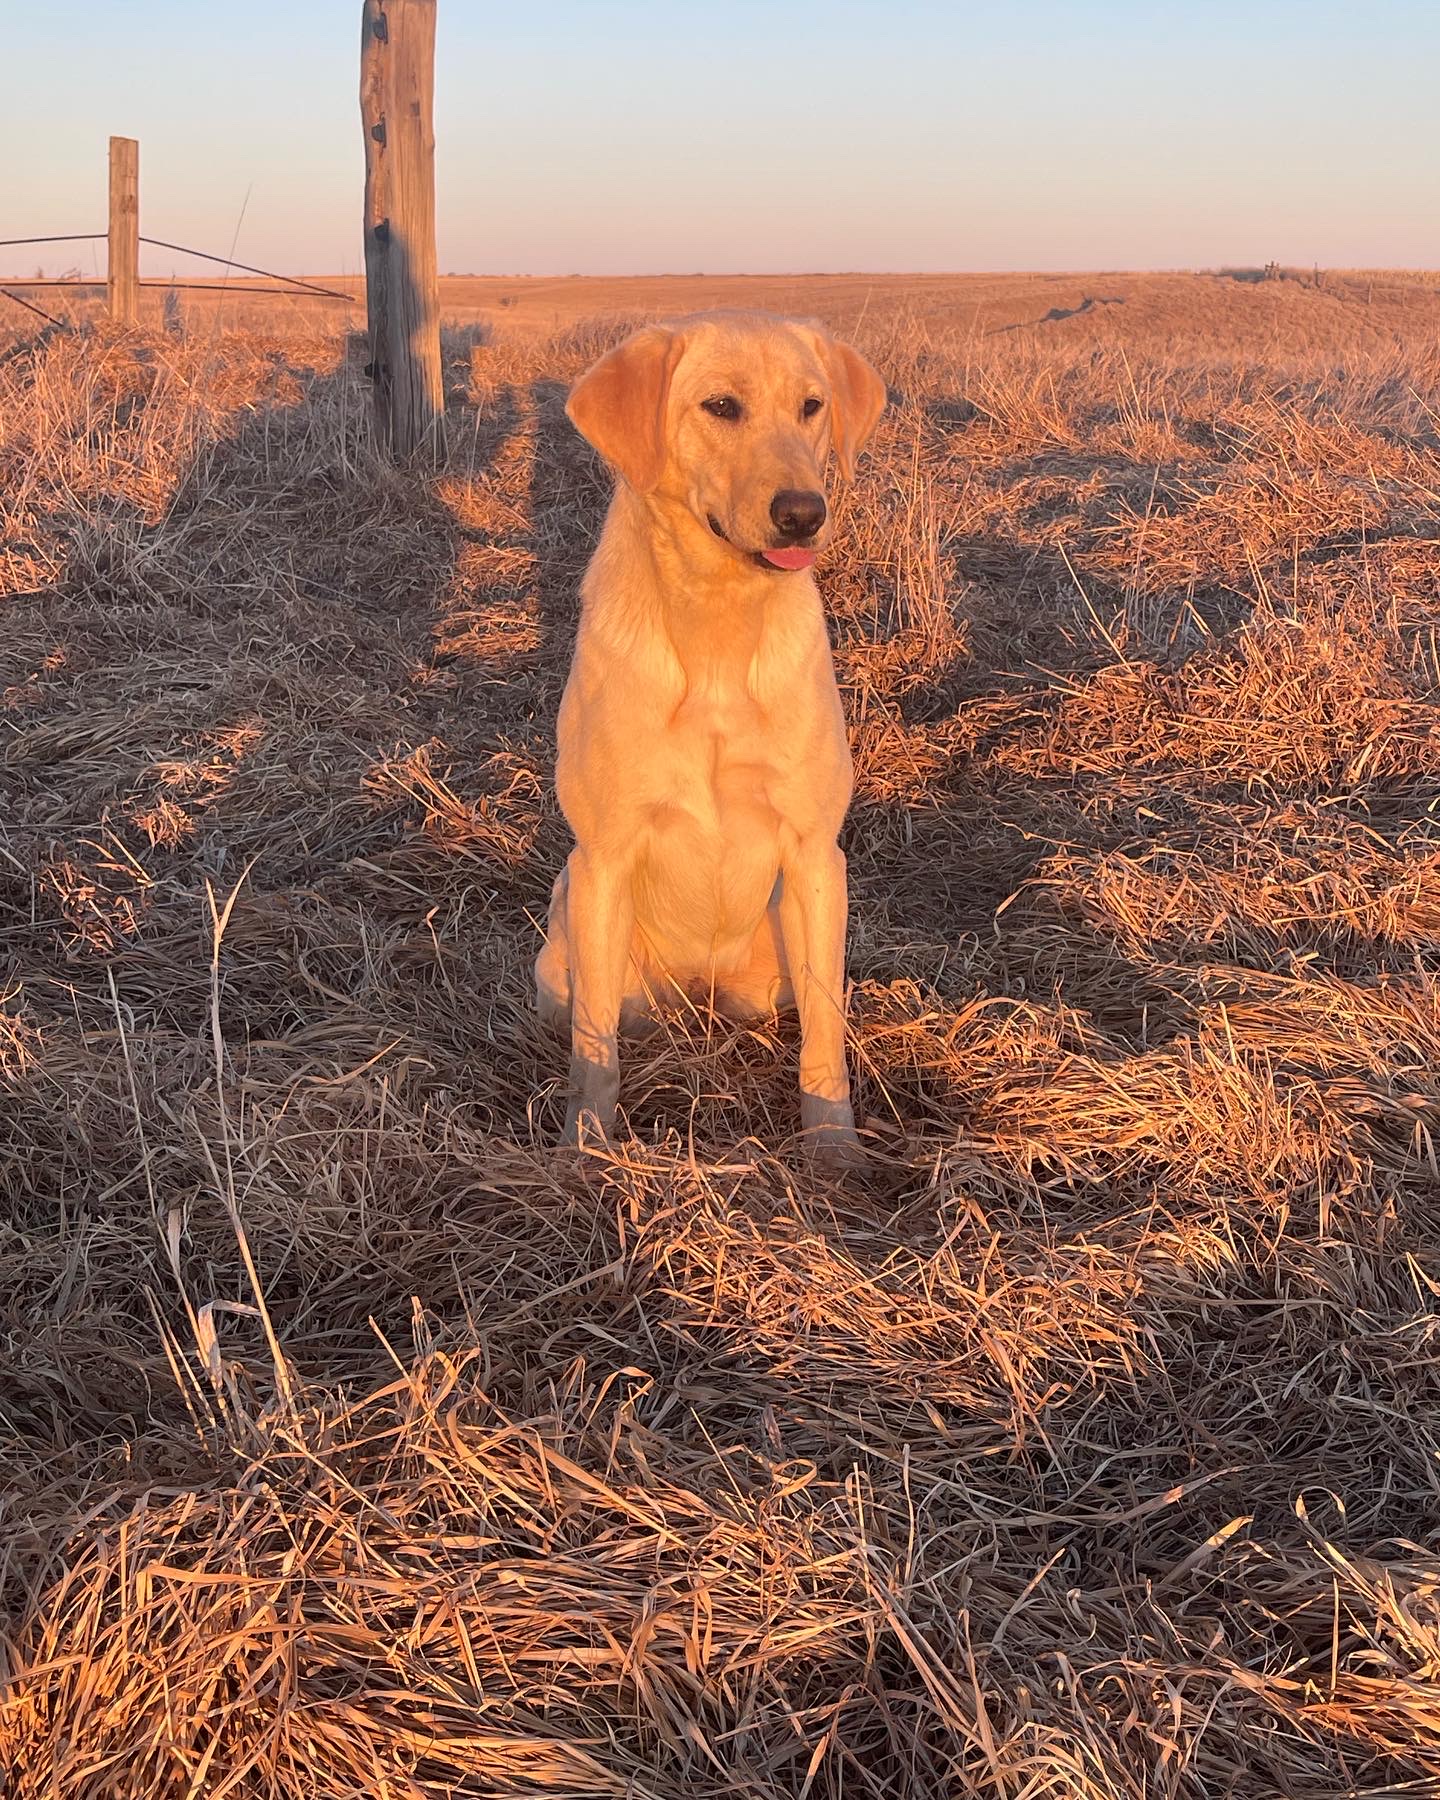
[(1083, 1445)]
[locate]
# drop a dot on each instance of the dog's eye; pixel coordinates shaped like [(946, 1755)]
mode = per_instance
[(811, 407), (723, 406)]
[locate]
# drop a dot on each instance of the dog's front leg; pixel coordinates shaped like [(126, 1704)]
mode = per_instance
[(812, 924), (600, 920)]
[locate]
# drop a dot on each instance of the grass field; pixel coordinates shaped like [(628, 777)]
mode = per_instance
[(1085, 1444)]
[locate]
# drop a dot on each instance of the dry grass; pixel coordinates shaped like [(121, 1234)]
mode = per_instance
[(1084, 1446)]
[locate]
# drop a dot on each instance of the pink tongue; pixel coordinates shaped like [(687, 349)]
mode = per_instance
[(789, 559)]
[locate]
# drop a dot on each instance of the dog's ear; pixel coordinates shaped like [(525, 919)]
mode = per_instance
[(619, 404), (857, 399)]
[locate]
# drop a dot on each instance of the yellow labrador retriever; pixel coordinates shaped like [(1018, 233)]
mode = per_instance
[(702, 764)]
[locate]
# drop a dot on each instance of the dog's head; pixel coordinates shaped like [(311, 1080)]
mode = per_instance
[(733, 416)]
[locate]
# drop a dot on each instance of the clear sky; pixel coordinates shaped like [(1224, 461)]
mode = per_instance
[(621, 136)]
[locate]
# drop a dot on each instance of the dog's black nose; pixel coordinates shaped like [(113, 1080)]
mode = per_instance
[(797, 513)]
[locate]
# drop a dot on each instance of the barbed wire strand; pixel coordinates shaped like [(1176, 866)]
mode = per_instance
[(77, 237), (229, 262), (30, 306), (64, 237)]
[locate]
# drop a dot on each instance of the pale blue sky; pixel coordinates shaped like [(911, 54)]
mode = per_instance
[(617, 136)]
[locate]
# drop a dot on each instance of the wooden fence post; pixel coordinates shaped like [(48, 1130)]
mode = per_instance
[(397, 86), (123, 268)]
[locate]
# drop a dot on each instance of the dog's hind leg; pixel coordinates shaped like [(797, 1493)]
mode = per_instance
[(761, 984), (600, 927), (812, 923), (552, 966)]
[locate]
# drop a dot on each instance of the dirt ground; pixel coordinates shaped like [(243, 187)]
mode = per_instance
[(1084, 1442)]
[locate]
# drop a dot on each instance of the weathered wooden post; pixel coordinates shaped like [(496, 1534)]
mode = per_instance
[(397, 87), (123, 268)]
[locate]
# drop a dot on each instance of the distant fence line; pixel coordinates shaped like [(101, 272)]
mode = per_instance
[(291, 284), (402, 290)]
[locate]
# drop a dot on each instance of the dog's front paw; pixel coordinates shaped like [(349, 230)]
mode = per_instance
[(586, 1127), (828, 1130)]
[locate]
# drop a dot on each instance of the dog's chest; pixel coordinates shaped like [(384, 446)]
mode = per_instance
[(724, 719), (741, 762)]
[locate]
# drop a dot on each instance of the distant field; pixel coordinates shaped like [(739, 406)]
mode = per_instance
[(1234, 309), (1087, 1445)]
